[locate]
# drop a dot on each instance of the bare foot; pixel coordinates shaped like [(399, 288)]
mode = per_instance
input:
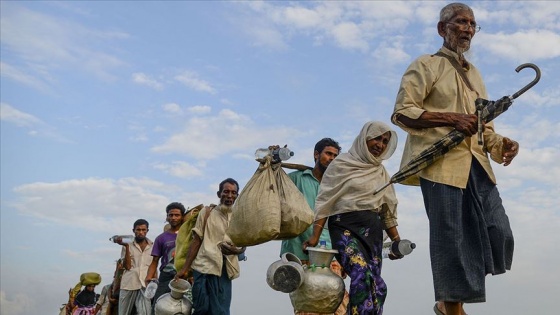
[(441, 308)]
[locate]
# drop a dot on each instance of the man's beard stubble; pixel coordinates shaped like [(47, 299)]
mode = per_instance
[(322, 167), (454, 44)]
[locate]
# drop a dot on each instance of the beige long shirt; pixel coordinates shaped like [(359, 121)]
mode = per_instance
[(210, 259), (432, 84), (133, 279)]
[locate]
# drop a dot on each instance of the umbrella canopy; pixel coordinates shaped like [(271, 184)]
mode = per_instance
[(489, 111)]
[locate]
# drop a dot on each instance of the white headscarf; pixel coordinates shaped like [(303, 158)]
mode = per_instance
[(350, 180)]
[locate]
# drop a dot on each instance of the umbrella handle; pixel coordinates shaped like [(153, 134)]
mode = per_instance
[(479, 108), (381, 188), (530, 85)]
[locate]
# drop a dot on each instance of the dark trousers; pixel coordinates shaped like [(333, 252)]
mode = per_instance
[(211, 294), (470, 236)]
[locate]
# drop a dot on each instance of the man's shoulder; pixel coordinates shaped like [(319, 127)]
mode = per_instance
[(296, 173), (427, 60), (165, 236), (150, 242), (300, 173)]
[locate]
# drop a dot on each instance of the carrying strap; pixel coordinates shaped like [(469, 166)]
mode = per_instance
[(206, 215), (457, 67)]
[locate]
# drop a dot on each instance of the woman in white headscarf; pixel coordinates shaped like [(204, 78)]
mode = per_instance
[(356, 217)]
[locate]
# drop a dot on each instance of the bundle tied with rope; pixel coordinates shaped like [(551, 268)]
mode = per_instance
[(270, 207)]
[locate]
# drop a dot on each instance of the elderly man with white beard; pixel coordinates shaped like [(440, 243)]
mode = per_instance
[(214, 267), (470, 234)]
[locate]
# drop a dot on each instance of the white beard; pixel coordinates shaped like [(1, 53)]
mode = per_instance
[(226, 209), (453, 42)]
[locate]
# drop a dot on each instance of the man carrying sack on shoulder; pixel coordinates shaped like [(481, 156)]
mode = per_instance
[(212, 256)]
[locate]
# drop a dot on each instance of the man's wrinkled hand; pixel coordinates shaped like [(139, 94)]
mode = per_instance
[(228, 248), (509, 150), (467, 124)]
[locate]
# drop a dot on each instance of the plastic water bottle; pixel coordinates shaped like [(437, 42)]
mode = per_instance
[(278, 155), (126, 239), (323, 244), (151, 289), (242, 257), (283, 154), (398, 248)]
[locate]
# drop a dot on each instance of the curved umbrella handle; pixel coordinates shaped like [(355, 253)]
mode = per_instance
[(530, 85)]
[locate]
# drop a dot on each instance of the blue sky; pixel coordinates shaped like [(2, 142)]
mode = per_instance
[(110, 110)]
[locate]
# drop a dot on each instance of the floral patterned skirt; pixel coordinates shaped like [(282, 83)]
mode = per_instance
[(358, 237)]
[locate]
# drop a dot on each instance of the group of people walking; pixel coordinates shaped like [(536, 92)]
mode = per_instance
[(213, 266), (470, 235)]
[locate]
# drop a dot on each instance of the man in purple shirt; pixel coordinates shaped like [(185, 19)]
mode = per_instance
[(164, 248)]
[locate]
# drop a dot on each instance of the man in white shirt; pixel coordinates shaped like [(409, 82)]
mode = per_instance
[(137, 259)]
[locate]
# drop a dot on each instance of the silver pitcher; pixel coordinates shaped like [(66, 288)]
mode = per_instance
[(322, 290), (176, 302), (286, 274)]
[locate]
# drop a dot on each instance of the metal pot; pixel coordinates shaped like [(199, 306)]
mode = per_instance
[(286, 274), (322, 290), (175, 302)]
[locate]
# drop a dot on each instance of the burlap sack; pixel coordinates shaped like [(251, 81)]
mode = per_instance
[(184, 237), (256, 212), (296, 215)]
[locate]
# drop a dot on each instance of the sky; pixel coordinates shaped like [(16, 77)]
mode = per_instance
[(110, 110)]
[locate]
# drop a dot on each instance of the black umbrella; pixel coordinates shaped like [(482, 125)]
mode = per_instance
[(487, 111)]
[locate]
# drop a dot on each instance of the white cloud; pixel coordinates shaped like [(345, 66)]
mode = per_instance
[(62, 203), (172, 108), (200, 109), (48, 43), (550, 98), (267, 36), (348, 35), (301, 17), (34, 125), (392, 53), (226, 101), (350, 25), (522, 45), (23, 76), (191, 80), (17, 117), (144, 79), (139, 132), (519, 14), (141, 137), (213, 136), (542, 133), (180, 169)]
